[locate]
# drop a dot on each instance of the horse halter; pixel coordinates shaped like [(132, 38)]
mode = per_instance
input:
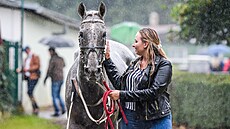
[(86, 50)]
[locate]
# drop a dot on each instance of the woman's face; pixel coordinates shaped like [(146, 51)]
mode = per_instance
[(138, 45)]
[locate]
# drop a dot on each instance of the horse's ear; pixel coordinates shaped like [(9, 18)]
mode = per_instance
[(102, 9), (81, 10)]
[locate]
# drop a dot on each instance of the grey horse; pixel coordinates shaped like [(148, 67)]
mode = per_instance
[(87, 72)]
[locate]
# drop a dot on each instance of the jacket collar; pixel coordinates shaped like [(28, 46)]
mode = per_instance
[(157, 60), (147, 70)]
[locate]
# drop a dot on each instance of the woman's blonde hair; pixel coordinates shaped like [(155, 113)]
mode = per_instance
[(154, 48)]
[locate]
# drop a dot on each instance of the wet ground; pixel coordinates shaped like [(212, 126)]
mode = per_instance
[(62, 119), (48, 111)]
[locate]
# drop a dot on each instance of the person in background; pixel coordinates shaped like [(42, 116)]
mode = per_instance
[(142, 89), (216, 63), (55, 71), (31, 73), (226, 67)]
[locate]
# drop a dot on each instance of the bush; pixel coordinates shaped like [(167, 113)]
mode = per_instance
[(6, 100), (201, 100)]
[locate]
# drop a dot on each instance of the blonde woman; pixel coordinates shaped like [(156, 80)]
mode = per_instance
[(142, 89)]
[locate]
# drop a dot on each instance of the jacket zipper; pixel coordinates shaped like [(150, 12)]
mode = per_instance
[(146, 116), (146, 110), (156, 105)]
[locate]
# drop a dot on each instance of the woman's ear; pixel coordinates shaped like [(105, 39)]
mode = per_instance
[(146, 44)]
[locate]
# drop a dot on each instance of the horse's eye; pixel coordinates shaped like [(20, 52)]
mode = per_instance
[(81, 34), (104, 35)]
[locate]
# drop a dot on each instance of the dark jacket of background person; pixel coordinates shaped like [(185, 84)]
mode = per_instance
[(152, 100), (55, 69)]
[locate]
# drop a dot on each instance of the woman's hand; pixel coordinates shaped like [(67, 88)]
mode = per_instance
[(114, 95), (107, 50)]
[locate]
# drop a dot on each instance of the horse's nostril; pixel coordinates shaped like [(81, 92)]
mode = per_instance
[(98, 70), (87, 70)]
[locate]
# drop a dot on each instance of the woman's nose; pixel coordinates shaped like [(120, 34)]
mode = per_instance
[(133, 45)]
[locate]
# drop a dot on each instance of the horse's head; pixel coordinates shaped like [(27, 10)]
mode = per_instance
[(92, 39)]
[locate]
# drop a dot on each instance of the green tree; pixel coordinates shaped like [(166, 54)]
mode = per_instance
[(207, 21)]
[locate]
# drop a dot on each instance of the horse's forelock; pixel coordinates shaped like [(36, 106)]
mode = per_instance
[(92, 14)]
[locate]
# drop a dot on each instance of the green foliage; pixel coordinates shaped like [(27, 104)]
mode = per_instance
[(205, 20), (27, 122), (6, 100), (201, 100)]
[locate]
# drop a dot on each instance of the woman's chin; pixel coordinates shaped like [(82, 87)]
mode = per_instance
[(137, 53)]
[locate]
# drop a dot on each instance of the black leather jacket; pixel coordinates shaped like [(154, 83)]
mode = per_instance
[(152, 98)]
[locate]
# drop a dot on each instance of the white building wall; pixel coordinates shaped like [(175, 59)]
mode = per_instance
[(10, 24), (35, 28)]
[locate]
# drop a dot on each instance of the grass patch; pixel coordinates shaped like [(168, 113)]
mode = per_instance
[(27, 122)]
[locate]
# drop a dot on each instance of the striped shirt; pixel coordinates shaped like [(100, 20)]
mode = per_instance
[(132, 81)]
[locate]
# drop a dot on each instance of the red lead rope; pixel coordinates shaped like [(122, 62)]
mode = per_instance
[(110, 110)]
